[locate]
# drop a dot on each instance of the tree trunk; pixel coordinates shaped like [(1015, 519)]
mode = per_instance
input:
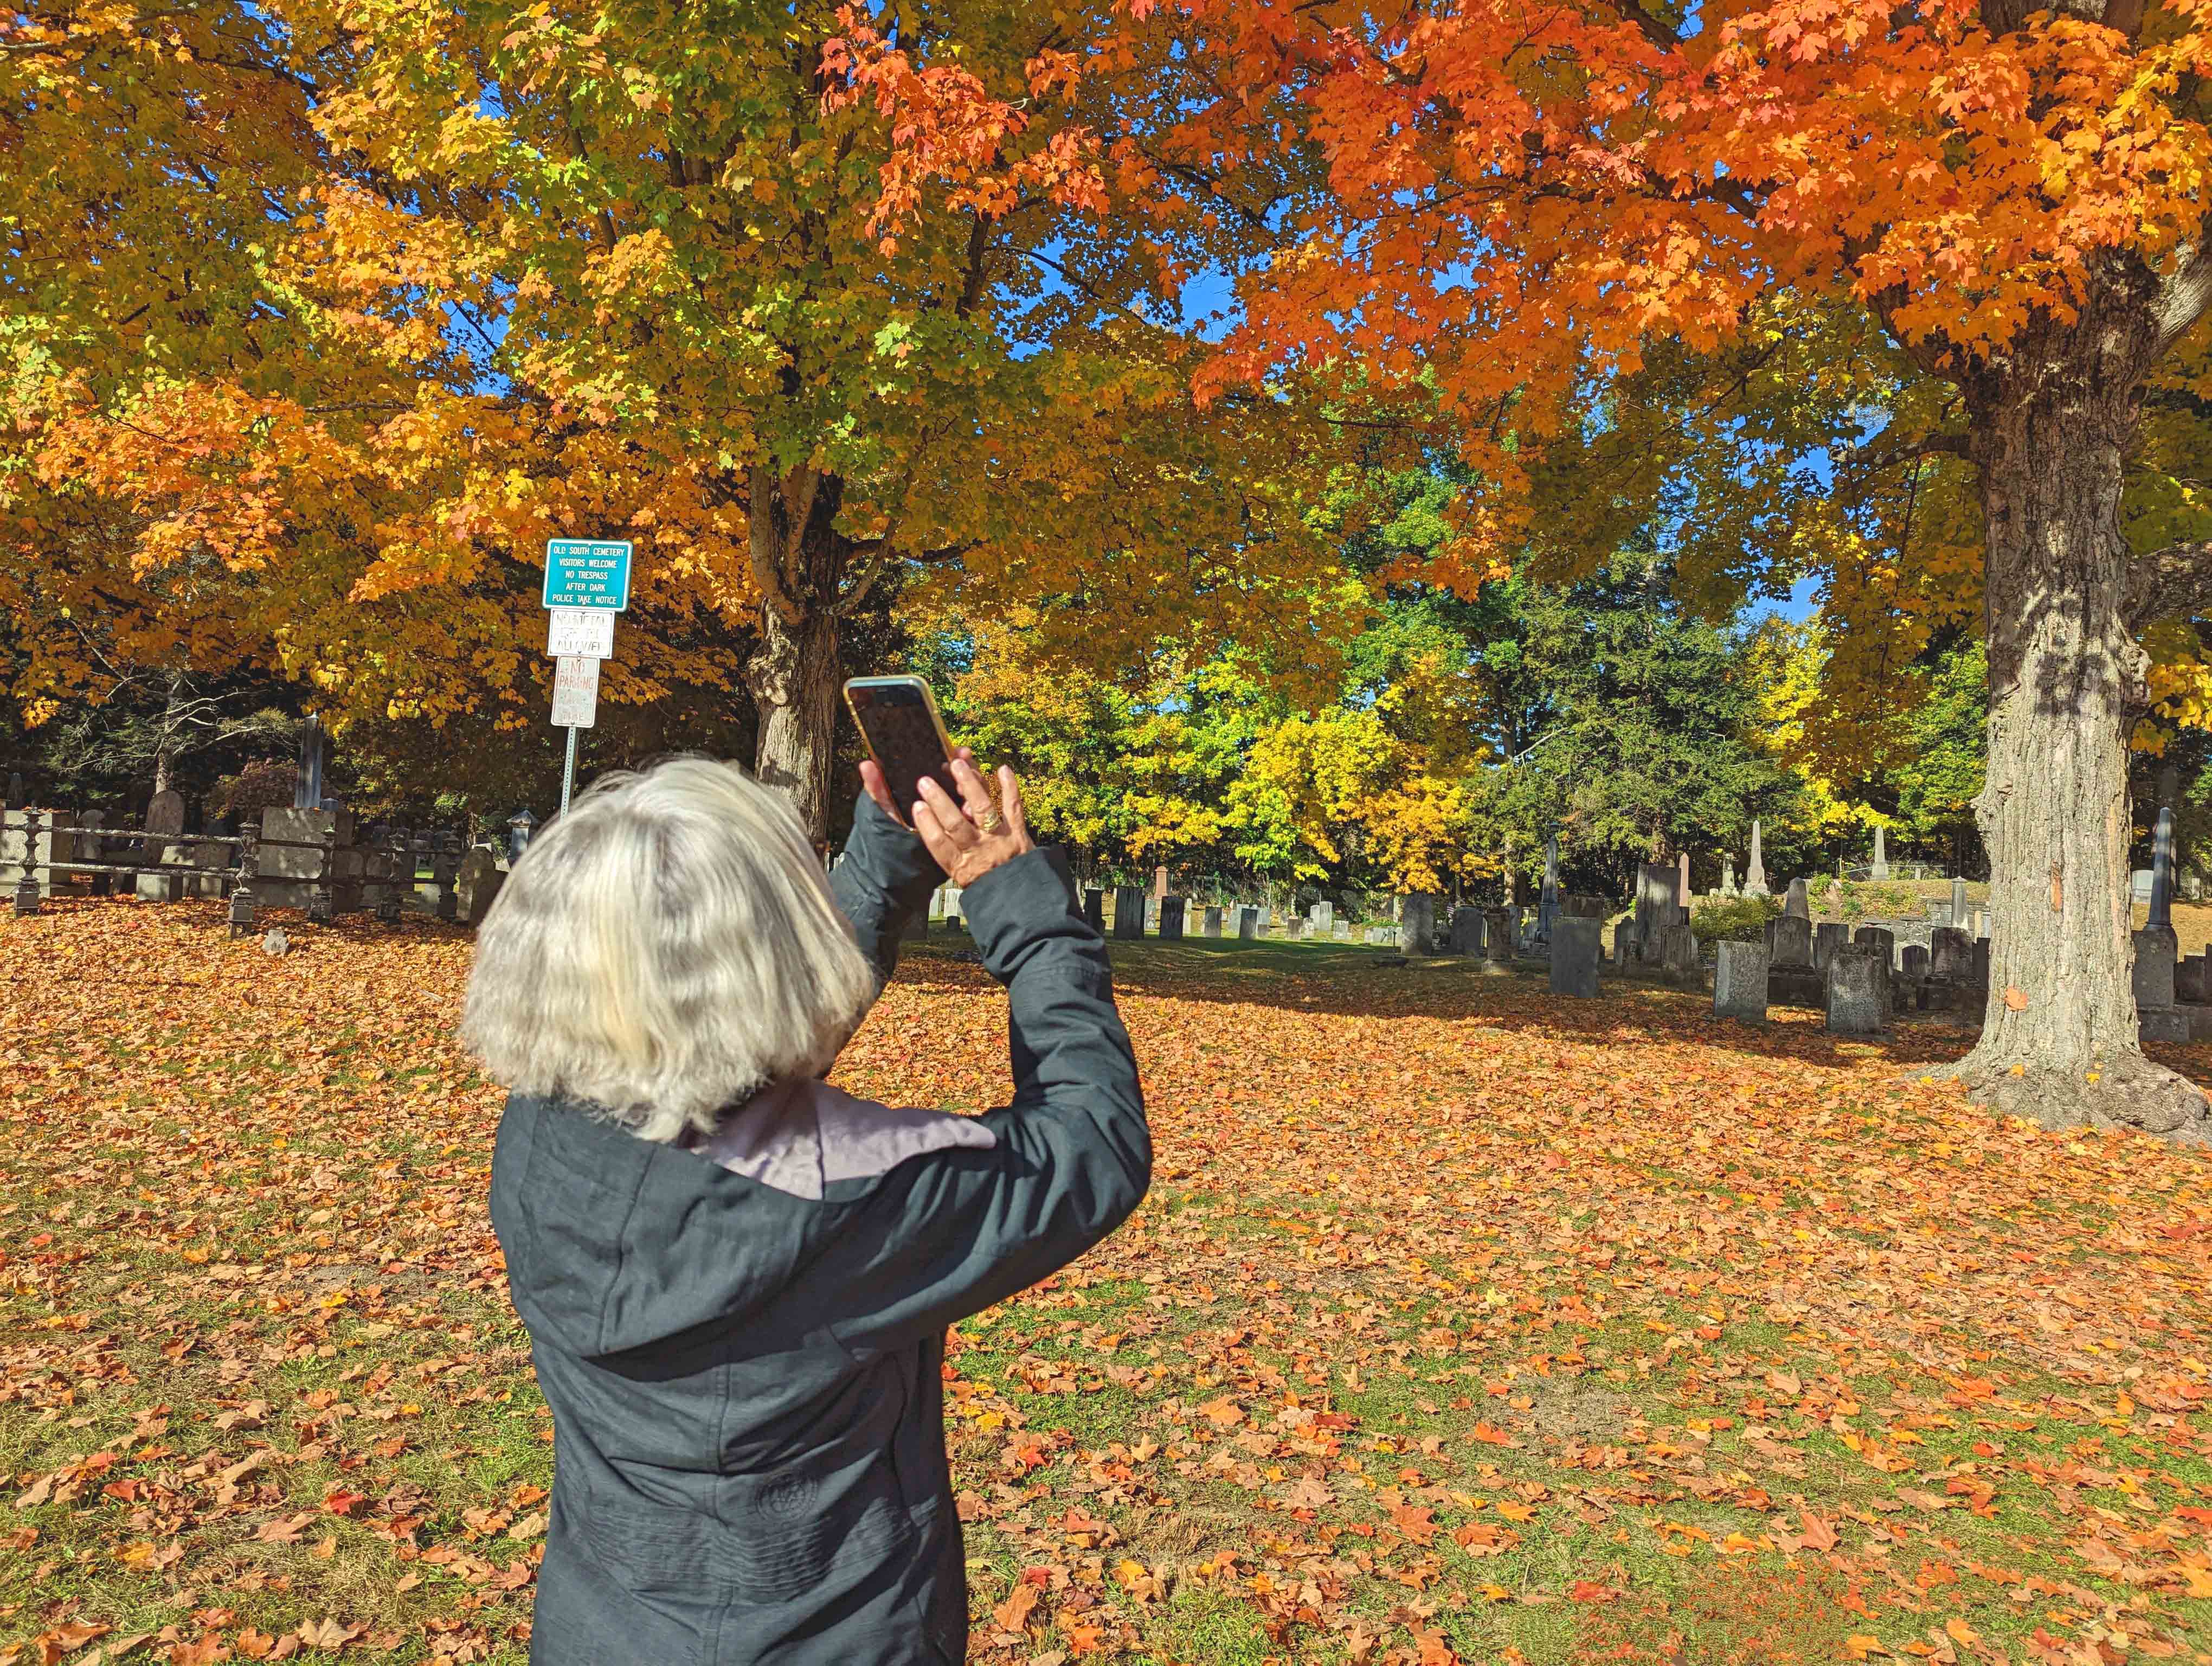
[(2052, 419), (792, 678)]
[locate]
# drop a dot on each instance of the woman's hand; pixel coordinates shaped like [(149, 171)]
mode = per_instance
[(970, 837)]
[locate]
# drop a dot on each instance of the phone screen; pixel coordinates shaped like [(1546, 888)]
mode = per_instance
[(901, 734)]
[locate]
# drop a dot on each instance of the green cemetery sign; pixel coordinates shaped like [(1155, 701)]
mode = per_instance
[(587, 572)]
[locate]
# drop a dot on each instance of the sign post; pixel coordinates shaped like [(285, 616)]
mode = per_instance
[(587, 584)]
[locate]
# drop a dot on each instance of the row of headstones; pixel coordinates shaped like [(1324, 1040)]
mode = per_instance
[(297, 858)]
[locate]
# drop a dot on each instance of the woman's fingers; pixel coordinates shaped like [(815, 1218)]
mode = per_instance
[(873, 782), (951, 823), (974, 791), (1010, 800)]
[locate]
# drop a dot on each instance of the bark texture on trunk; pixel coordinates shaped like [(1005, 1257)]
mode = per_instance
[(2052, 418), (792, 678), (800, 563)]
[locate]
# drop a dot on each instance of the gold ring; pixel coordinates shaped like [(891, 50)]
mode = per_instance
[(991, 824)]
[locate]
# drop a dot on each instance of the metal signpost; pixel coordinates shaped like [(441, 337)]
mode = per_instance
[(587, 584)]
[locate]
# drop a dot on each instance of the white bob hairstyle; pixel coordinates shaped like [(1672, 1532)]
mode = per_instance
[(664, 951)]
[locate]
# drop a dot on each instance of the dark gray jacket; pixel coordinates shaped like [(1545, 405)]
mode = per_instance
[(745, 1384)]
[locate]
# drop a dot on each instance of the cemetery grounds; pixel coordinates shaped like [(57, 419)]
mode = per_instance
[(1462, 1324)]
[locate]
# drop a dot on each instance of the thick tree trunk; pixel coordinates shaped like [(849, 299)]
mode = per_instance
[(792, 678), (2067, 683)]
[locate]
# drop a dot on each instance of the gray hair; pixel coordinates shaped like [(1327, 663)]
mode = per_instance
[(664, 950)]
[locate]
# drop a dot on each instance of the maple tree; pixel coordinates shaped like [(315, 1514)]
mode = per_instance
[(1975, 225), (532, 269)]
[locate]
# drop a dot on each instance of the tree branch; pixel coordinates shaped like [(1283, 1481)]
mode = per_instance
[(763, 547), (2183, 297), (2174, 580), (1869, 461)]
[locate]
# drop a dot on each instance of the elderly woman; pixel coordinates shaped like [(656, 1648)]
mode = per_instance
[(737, 1278)]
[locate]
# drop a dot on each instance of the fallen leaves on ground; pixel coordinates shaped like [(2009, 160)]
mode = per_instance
[(1462, 1324)]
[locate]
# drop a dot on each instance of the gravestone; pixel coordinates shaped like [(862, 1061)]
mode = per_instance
[(1213, 921), (1625, 946), (2191, 985), (1159, 882), (1171, 913), (1682, 891), (1466, 930), (1293, 926), (1497, 943), (1880, 870), (1151, 913), (1656, 902), (477, 885), (1958, 903), (1740, 982), (952, 894), (1951, 955), (1789, 941), (1828, 936), (1754, 879), (1575, 955), (1248, 924), (1323, 915), (1678, 952), (1417, 923), (291, 855), (1916, 962), (2139, 886), (1858, 990), (1128, 911), (198, 853), (1797, 904), (1384, 937), (1094, 909), (165, 814), (520, 826), (2156, 948), (1727, 876), (1877, 937)]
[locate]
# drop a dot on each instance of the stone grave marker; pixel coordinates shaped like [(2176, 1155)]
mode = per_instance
[(1740, 982), (1171, 913), (1128, 911), (1094, 909), (1877, 937), (1248, 923), (1417, 923), (165, 814), (1575, 955), (1466, 930), (1957, 903), (1951, 955), (477, 885), (1827, 937), (1213, 921), (1789, 940), (2156, 948), (2191, 984), (1858, 990), (1497, 943), (1915, 960), (1678, 952), (1798, 904)]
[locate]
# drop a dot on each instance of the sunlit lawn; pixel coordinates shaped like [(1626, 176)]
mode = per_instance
[(1461, 1324)]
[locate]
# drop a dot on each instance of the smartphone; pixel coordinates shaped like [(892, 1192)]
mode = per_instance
[(898, 721)]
